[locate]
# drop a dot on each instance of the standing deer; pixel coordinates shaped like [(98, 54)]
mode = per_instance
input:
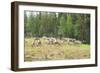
[(36, 42)]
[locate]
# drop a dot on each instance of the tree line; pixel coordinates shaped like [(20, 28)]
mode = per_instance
[(57, 24)]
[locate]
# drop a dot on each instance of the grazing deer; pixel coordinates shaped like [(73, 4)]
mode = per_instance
[(78, 42), (36, 42)]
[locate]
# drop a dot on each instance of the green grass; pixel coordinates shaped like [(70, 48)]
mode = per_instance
[(55, 52)]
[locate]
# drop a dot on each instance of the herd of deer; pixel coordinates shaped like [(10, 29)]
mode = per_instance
[(53, 41)]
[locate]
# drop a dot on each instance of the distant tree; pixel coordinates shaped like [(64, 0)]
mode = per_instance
[(69, 26)]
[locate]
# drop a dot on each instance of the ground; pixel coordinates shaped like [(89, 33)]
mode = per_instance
[(55, 52)]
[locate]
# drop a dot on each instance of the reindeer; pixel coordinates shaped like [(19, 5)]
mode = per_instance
[(78, 42), (36, 42), (52, 41), (74, 42)]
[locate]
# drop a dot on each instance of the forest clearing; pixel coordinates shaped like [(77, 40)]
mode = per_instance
[(67, 36), (55, 51)]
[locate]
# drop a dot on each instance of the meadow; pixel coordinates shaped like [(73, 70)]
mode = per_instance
[(54, 52)]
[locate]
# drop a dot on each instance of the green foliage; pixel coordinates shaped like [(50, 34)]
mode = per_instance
[(71, 25)]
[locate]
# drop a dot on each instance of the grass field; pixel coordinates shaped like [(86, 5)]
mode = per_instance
[(55, 52)]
